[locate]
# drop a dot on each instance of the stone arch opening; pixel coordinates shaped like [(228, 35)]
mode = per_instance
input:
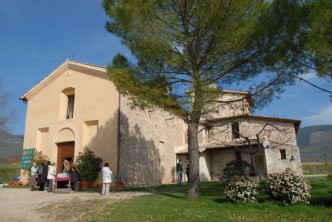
[(65, 141)]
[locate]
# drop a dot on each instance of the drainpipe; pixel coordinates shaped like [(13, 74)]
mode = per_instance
[(119, 125)]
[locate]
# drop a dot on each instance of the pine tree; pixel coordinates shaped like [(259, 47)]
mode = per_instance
[(184, 47)]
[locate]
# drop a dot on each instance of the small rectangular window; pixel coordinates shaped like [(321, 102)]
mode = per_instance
[(70, 107), (235, 130), (283, 154)]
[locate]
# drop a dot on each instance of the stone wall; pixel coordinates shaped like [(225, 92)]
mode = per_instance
[(223, 109), (149, 140), (277, 165), (279, 136), (218, 158), (277, 132)]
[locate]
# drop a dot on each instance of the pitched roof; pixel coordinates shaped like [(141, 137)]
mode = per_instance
[(68, 64)]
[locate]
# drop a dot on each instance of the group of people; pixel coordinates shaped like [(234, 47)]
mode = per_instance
[(179, 170), (44, 176)]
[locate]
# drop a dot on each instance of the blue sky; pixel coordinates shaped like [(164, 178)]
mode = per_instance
[(39, 35)]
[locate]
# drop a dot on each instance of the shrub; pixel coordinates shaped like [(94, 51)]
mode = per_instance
[(287, 188), (236, 168), (241, 189), (88, 165)]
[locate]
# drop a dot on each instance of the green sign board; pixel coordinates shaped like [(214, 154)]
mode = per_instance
[(27, 157)]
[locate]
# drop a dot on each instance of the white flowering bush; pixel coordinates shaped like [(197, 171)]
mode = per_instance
[(241, 189), (287, 188)]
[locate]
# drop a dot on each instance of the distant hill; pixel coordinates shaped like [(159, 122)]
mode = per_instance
[(11, 148), (315, 143)]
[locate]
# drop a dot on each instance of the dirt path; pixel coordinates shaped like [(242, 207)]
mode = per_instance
[(22, 204)]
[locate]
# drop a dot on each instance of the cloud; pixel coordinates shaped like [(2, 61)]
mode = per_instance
[(310, 76), (322, 118)]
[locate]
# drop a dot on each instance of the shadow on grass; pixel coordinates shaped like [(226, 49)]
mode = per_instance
[(320, 192), (321, 202), (176, 196), (215, 192), (262, 200), (212, 189), (220, 200)]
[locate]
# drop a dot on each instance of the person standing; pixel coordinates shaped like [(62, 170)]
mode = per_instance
[(45, 172), (179, 169), (66, 166), (75, 177), (50, 176), (107, 179), (187, 168), (33, 173), (41, 177)]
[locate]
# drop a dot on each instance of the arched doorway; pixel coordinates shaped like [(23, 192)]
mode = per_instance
[(65, 141)]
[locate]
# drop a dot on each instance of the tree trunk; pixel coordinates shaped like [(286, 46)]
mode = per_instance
[(193, 149), (252, 159), (253, 164)]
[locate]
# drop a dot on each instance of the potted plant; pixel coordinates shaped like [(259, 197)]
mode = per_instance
[(88, 165), (119, 179), (100, 184)]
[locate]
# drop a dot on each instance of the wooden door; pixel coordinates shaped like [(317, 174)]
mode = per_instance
[(65, 151)]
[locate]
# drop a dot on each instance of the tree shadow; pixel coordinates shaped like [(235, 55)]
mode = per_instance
[(320, 192), (172, 195), (220, 200), (139, 158), (321, 201), (104, 143), (130, 153)]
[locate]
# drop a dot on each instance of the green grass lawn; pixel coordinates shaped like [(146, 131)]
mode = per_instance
[(319, 168), (169, 203), (7, 171)]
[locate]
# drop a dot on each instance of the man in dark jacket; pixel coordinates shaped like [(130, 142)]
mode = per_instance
[(75, 177), (179, 169), (42, 177)]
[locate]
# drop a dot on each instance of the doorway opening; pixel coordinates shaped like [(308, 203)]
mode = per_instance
[(65, 151)]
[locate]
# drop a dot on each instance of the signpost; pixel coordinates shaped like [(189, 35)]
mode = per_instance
[(27, 157)]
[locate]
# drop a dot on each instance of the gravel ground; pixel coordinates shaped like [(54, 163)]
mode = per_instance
[(22, 204)]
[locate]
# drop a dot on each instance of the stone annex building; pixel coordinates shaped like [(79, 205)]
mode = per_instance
[(77, 106)]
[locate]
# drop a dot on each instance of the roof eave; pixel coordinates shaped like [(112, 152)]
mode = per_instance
[(68, 64)]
